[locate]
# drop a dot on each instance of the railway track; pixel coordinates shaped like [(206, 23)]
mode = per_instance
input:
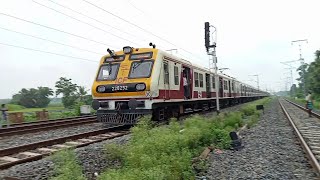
[(307, 130), (45, 125), (35, 151)]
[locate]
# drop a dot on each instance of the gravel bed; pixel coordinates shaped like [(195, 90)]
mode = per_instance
[(92, 158), (271, 151), (17, 140)]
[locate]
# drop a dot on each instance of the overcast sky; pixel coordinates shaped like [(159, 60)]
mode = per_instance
[(253, 37)]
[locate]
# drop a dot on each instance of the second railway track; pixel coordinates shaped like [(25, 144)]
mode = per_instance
[(35, 151), (307, 130), (17, 129)]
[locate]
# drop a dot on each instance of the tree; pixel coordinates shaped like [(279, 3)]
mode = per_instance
[(311, 76), (43, 96), (68, 90), (82, 92), (33, 97)]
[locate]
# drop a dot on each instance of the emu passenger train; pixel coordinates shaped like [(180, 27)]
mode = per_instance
[(138, 81)]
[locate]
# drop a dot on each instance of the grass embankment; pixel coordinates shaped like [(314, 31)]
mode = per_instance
[(303, 102), (170, 152)]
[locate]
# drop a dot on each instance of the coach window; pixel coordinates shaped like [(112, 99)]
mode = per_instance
[(225, 85), (213, 82), (176, 75), (196, 79), (201, 80)]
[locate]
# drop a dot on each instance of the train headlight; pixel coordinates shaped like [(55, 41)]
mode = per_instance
[(101, 89), (127, 49), (140, 87)]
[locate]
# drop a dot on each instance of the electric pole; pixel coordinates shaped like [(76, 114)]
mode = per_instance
[(211, 51), (257, 75), (302, 62)]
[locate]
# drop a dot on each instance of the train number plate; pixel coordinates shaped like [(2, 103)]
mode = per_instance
[(119, 88)]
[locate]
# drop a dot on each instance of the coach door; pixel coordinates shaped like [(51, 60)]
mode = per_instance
[(221, 86), (208, 86), (166, 80), (229, 88), (187, 73)]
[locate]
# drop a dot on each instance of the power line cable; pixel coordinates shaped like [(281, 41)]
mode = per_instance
[(48, 27), (36, 37), (101, 22), (137, 26), (48, 52), (136, 7), (85, 23)]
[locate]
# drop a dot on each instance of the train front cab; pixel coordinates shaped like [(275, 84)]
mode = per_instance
[(124, 85)]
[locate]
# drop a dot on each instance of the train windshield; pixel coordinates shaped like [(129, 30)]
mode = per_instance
[(141, 69), (108, 72)]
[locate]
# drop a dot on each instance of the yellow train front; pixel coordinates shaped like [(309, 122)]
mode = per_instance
[(123, 88)]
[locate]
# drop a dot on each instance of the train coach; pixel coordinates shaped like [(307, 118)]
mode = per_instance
[(137, 81)]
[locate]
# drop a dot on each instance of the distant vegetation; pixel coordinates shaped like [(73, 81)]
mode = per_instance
[(4, 101), (72, 96), (31, 100), (309, 78)]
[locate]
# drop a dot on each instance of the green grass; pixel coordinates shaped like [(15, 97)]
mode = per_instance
[(67, 166), (249, 112), (165, 152), (14, 107)]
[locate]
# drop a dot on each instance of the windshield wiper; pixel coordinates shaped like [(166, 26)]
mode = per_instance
[(110, 68), (136, 66)]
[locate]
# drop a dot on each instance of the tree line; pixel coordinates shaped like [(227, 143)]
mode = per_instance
[(72, 94), (309, 78)]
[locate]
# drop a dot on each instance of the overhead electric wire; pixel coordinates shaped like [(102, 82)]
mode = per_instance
[(36, 37), (48, 52), (101, 22), (85, 22), (132, 6), (48, 27), (137, 26)]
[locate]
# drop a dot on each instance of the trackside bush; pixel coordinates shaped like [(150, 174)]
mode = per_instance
[(166, 152)]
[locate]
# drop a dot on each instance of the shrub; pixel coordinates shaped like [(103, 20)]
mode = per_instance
[(165, 152)]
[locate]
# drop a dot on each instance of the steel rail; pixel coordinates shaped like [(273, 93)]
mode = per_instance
[(314, 162), (6, 152), (45, 125), (303, 108), (49, 142)]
